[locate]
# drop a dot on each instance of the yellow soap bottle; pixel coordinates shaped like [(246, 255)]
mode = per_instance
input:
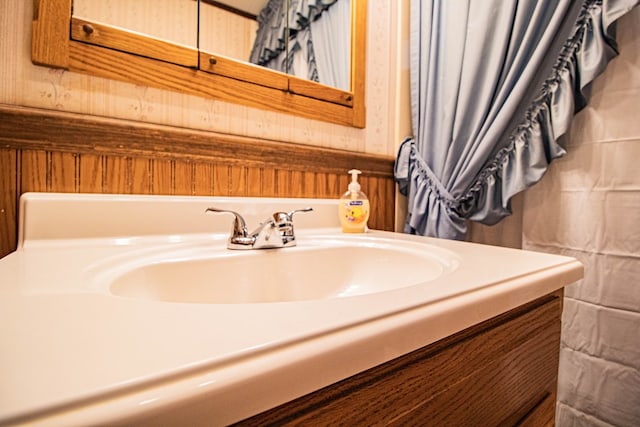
[(354, 207)]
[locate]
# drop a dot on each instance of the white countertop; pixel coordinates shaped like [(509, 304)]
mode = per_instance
[(73, 354)]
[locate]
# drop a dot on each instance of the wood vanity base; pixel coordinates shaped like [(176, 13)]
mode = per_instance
[(498, 373)]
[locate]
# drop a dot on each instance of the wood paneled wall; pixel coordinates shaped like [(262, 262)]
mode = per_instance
[(51, 151)]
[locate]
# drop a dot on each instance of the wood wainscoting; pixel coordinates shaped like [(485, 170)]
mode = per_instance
[(51, 151)]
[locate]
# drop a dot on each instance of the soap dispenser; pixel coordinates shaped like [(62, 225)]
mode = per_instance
[(354, 207)]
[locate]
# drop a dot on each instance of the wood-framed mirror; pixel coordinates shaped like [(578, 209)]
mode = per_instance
[(60, 40)]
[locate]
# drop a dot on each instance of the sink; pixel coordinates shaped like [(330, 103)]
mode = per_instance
[(207, 330), (311, 271)]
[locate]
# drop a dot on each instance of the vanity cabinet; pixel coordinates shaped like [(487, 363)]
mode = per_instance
[(500, 372)]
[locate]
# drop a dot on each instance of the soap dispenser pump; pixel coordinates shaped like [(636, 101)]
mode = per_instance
[(354, 207)]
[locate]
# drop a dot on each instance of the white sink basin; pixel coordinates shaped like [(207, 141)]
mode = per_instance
[(313, 270)]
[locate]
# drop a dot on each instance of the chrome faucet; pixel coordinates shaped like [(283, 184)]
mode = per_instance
[(275, 232)]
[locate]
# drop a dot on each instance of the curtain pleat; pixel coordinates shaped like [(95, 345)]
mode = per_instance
[(280, 21)]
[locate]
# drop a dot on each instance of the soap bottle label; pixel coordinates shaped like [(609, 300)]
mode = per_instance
[(356, 212)]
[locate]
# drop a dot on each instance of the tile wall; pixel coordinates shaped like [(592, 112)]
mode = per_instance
[(588, 206)]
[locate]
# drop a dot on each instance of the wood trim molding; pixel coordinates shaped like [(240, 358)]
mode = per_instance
[(24, 127), (50, 33), (100, 34)]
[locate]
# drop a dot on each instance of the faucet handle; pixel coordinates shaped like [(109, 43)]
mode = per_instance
[(239, 237), (307, 209), (283, 221), (284, 218)]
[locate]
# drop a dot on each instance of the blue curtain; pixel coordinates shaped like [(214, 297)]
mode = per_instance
[(494, 86), (283, 40), (271, 37), (332, 45)]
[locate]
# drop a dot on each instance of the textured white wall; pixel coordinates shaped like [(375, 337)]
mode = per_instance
[(588, 206), (22, 83)]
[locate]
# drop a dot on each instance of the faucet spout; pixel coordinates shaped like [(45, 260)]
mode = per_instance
[(267, 236)]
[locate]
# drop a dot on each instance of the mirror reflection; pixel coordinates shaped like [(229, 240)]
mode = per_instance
[(310, 39), (228, 28), (307, 38), (174, 20)]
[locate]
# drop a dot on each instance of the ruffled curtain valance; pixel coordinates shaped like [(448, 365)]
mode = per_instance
[(278, 22), (494, 88)]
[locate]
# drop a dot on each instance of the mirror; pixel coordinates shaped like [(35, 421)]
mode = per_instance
[(310, 39), (176, 21), (228, 28), (144, 56)]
